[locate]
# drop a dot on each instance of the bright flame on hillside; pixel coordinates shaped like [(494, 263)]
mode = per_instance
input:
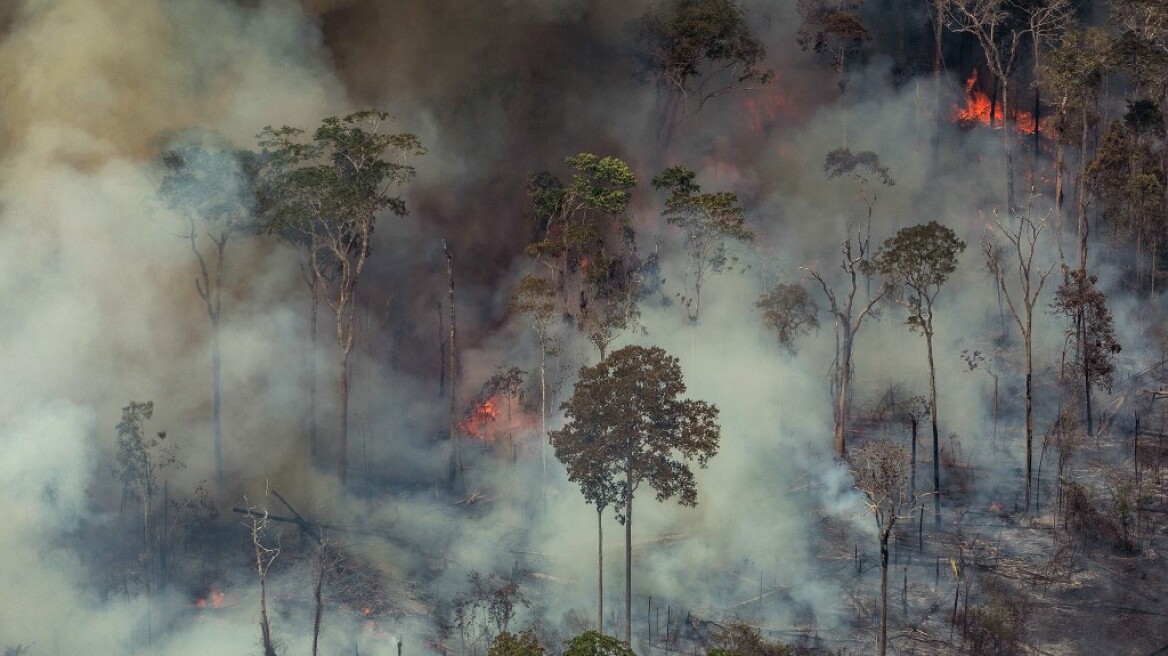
[(978, 109)]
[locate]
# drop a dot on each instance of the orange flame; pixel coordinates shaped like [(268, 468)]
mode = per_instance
[(482, 414), (978, 110), (214, 599)]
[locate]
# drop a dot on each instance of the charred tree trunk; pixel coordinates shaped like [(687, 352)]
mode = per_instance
[(629, 558), (317, 598), (1029, 409), (313, 433), (599, 570), (343, 418), (845, 376), (882, 643), (936, 439), (452, 355), (217, 397), (543, 441), (1007, 142)]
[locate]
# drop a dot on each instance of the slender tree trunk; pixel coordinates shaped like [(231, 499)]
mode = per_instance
[(599, 570), (452, 353), (1008, 143), (882, 645), (216, 357), (343, 418), (1087, 388), (318, 601), (1059, 183), (1029, 406), (845, 376), (313, 433), (441, 352), (629, 558), (936, 439), (912, 479), (1082, 193), (543, 438), (697, 300), (217, 396)]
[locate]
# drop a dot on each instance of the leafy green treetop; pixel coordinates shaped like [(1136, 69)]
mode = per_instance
[(629, 407), (524, 643), (587, 242), (326, 192), (593, 643), (921, 258), (697, 50), (709, 221)]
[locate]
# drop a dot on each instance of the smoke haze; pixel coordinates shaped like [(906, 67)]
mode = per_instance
[(98, 280)]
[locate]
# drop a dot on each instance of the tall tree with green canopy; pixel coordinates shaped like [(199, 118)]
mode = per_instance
[(1071, 77), (1142, 50), (697, 50), (920, 259), (586, 241), (709, 220), (586, 455), (211, 190), (1092, 325), (535, 301), (627, 418), (330, 189)]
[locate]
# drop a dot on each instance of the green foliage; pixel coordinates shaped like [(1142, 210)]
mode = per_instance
[(507, 381), (336, 182), (687, 44), (1142, 46), (1072, 74), (704, 216), (1128, 178), (627, 425), (789, 311), (1079, 300), (863, 167), (592, 643), (534, 298), (709, 220), (587, 241), (140, 457), (574, 217), (920, 258), (833, 28), (212, 186), (524, 643)]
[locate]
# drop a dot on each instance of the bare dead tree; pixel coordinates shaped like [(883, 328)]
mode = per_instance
[(1015, 259), (257, 524), (880, 470), (848, 311)]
